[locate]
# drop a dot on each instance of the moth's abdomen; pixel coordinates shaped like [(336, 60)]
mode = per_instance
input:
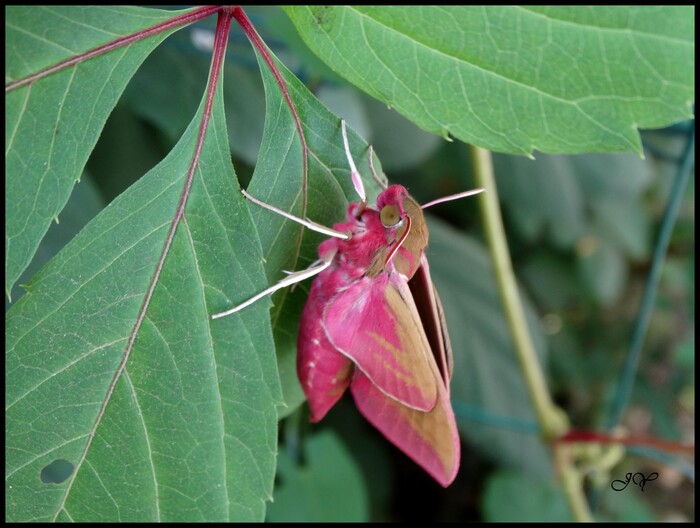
[(324, 373)]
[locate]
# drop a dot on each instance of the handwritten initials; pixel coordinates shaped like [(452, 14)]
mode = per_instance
[(637, 479)]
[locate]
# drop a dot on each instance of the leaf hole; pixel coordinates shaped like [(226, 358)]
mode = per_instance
[(56, 472)]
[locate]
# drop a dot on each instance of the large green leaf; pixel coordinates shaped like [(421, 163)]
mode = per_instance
[(83, 205), (567, 197), (52, 124), (327, 487), (514, 79), (181, 424), (593, 203), (514, 497), (278, 180)]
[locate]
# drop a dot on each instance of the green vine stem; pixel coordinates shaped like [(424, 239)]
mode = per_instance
[(552, 420)]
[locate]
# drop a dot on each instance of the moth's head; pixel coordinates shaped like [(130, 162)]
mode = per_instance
[(390, 205), (395, 204), (392, 195), (398, 211)]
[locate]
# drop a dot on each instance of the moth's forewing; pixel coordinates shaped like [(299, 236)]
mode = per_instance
[(430, 437), (432, 318), (370, 323)]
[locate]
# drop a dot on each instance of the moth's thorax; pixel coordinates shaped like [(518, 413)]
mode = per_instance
[(371, 241), (368, 238)]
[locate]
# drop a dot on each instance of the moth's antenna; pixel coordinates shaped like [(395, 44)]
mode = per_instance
[(379, 181), (356, 179), (452, 197)]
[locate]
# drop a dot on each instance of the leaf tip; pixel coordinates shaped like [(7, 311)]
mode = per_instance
[(636, 141)]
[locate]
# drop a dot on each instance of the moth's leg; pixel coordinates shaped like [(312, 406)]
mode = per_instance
[(289, 280), (312, 265)]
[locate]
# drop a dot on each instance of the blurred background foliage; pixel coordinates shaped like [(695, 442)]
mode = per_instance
[(581, 231)]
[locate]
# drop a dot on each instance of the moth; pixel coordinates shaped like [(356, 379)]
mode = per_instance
[(373, 323)]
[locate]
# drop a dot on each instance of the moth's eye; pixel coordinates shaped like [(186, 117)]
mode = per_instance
[(389, 215)]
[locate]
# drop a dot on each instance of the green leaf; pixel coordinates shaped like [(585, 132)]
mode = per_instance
[(568, 197), (327, 487), (52, 124), (542, 195), (551, 280), (514, 497), (514, 79), (602, 269), (82, 206), (626, 506), (278, 180), (181, 423), (492, 404), (165, 92)]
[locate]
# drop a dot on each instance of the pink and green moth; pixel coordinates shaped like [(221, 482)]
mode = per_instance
[(373, 322)]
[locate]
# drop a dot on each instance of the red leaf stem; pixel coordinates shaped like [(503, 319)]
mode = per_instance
[(256, 41), (596, 437)]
